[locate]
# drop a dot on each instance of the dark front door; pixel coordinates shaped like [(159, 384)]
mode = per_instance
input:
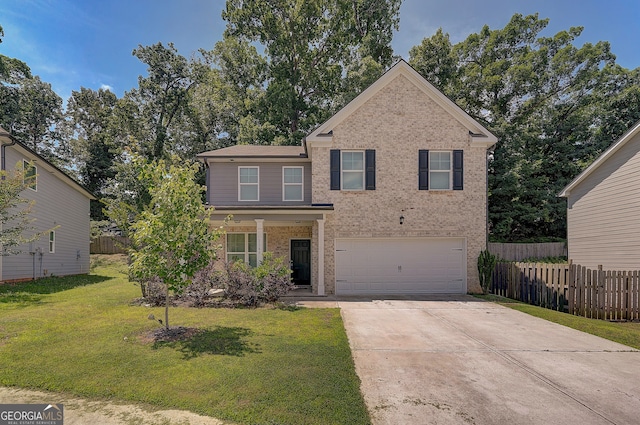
[(301, 261)]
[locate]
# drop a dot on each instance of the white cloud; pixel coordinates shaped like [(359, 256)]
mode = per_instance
[(106, 87)]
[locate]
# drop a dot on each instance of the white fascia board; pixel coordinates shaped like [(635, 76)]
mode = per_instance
[(630, 134), (321, 136)]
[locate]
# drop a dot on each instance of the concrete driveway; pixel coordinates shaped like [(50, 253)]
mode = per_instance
[(460, 360)]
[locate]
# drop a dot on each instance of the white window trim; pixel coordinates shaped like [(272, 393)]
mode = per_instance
[(25, 166), (52, 242), (450, 171), (248, 184), (246, 251), (342, 171), (301, 184)]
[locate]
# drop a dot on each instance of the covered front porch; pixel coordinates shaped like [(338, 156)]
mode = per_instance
[(296, 234)]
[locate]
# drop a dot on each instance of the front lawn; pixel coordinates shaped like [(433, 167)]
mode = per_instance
[(82, 336), (627, 333)]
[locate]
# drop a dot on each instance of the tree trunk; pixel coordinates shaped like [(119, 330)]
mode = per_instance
[(166, 310)]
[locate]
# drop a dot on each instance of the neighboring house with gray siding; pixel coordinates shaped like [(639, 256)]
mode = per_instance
[(388, 196), (603, 208), (61, 204)]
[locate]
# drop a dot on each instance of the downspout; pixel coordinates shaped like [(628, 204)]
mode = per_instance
[(3, 167), (486, 194)]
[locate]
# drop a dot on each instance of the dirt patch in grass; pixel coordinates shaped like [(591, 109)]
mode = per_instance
[(105, 412)]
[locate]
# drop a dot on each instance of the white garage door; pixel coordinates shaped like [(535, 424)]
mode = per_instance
[(395, 266)]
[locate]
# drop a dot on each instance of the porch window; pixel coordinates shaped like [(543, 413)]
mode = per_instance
[(292, 184), (244, 247)]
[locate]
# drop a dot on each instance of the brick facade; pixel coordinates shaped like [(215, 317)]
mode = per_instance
[(398, 121)]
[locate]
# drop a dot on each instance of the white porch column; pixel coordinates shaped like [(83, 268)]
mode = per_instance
[(321, 256), (259, 240)]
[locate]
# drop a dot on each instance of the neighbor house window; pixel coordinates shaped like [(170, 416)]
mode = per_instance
[(52, 241), (248, 189), (244, 247), (30, 175), (352, 166), (440, 170), (292, 183)]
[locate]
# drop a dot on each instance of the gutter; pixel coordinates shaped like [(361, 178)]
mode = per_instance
[(3, 166)]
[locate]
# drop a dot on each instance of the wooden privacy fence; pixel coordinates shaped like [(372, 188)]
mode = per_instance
[(109, 245), (597, 294), (522, 251)]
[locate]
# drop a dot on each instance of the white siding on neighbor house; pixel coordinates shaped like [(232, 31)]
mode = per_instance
[(223, 183), (56, 204), (603, 215)]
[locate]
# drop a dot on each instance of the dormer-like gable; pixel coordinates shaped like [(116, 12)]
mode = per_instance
[(480, 136)]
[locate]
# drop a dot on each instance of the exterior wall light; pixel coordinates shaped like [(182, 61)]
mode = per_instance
[(401, 219)]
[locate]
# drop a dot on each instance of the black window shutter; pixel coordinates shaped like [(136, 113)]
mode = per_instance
[(370, 169), (458, 168), (334, 167), (423, 169)]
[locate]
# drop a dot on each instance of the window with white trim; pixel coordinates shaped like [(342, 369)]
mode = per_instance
[(52, 241), (439, 170), (352, 168), (244, 247), (248, 187), (292, 183), (30, 175)]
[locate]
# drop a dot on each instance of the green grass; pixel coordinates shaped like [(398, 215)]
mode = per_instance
[(82, 336), (627, 333)]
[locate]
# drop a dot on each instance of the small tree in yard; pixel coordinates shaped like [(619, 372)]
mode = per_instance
[(14, 210), (171, 236)]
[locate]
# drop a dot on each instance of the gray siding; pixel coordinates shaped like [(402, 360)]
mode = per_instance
[(56, 204), (604, 213), (223, 183)]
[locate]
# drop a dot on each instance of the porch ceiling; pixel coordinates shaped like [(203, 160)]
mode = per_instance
[(276, 215)]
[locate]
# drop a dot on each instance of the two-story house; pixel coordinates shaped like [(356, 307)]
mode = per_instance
[(388, 196), (61, 212)]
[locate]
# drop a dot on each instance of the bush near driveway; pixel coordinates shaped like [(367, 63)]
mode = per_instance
[(253, 366)]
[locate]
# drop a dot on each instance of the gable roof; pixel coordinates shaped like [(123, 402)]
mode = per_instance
[(479, 134), (256, 151), (6, 139), (630, 134)]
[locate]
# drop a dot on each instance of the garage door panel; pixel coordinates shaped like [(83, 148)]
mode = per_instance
[(412, 265)]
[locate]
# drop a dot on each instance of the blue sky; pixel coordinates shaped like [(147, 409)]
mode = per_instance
[(88, 43)]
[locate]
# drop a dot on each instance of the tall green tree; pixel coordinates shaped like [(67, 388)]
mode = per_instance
[(13, 73), (171, 237), (37, 123), (159, 102), (545, 98), (309, 47), (93, 140)]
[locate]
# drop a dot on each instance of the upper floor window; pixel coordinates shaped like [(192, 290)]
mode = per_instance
[(440, 170), (30, 175), (352, 165), (292, 183), (248, 187), (352, 170)]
